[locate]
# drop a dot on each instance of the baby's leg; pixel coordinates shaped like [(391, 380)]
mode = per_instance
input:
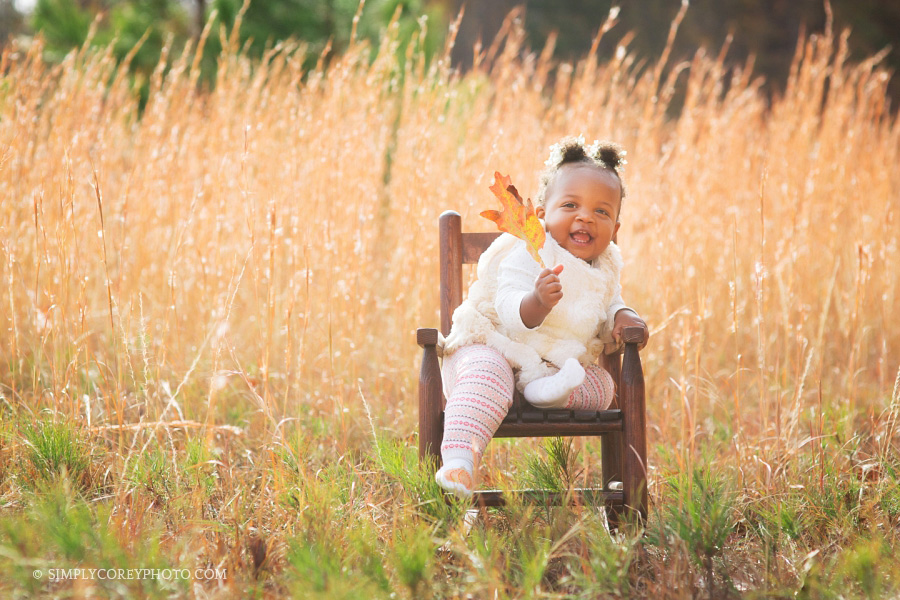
[(553, 391), (479, 386), (573, 387), (596, 393)]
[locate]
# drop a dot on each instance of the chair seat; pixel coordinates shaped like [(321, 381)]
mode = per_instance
[(525, 420), (565, 423), (522, 411)]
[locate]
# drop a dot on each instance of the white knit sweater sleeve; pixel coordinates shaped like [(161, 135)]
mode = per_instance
[(617, 304), (515, 280)]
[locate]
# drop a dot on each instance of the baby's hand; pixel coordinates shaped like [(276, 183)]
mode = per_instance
[(628, 318), (547, 287)]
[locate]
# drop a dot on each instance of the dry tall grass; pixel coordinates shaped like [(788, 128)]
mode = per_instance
[(259, 256)]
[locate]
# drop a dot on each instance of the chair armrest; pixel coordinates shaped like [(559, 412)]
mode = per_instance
[(633, 335), (630, 335), (631, 392), (426, 336), (431, 398), (632, 401)]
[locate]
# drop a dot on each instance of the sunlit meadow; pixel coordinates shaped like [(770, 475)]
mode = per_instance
[(208, 311)]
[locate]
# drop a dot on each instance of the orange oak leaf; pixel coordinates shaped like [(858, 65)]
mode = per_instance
[(517, 217)]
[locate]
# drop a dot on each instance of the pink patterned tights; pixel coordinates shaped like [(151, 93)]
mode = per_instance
[(479, 385)]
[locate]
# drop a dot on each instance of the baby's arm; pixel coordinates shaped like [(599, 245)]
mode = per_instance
[(525, 293), (620, 316), (547, 293), (626, 317)]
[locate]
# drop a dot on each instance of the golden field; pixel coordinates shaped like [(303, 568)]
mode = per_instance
[(213, 304)]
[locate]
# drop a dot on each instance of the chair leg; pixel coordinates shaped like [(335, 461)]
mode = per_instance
[(430, 399), (634, 460), (611, 445)]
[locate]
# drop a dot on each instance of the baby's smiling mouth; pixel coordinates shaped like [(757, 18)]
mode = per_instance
[(581, 237)]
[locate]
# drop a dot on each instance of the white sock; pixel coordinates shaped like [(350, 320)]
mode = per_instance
[(553, 391), (454, 482)]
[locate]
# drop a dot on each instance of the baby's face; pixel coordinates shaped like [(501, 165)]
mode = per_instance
[(581, 209)]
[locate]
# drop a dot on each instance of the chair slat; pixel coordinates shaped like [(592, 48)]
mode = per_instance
[(473, 244), (559, 417), (582, 495), (536, 416), (564, 428)]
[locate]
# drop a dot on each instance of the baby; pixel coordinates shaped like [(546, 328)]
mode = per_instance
[(540, 330)]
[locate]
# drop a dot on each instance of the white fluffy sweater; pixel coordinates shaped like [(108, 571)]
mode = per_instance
[(577, 327)]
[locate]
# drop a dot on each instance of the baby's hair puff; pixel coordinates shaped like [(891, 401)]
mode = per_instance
[(573, 150)]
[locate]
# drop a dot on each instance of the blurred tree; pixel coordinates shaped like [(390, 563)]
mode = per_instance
[(11, 21), (411, 12), (768, 29), (875, 25), (481, 22), (316, 22), (158, 19), (199, 17), (65, 25)]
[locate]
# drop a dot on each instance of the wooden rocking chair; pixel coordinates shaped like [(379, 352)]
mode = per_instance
[(622, 426)]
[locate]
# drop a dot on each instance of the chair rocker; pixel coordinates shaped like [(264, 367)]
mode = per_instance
[(622, 427)]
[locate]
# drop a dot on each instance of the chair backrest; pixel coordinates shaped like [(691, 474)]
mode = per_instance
[(457, 249)]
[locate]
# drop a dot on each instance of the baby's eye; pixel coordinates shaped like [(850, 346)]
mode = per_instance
[(569, 205), (602, 211)]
